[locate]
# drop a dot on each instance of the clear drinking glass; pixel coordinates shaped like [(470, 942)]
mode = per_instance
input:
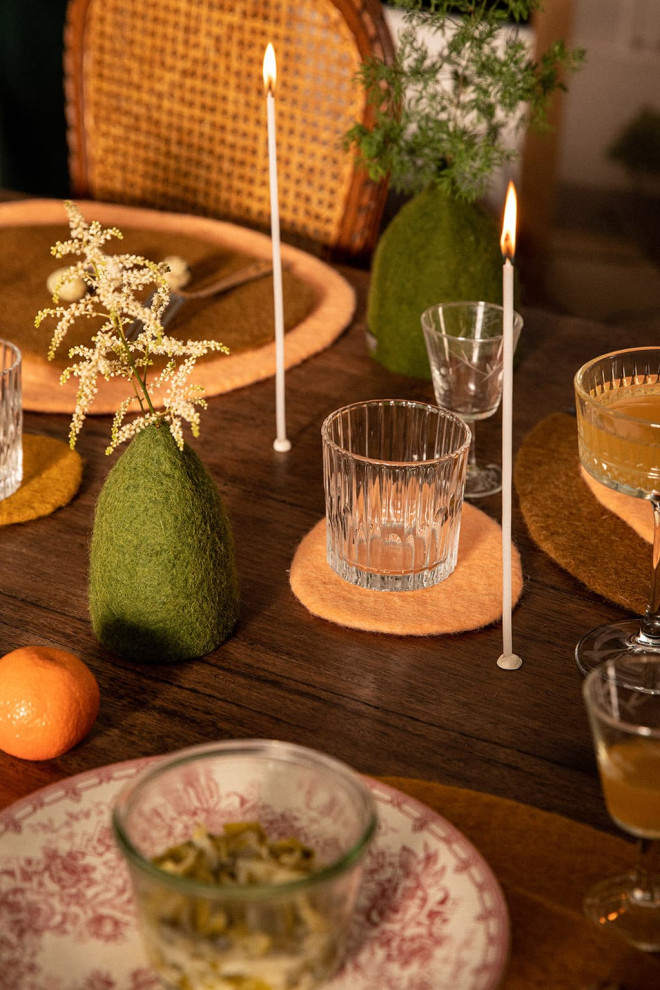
[(11, 419), (465, 345), (618, 413), (289, 930), (623, 702), (394, 472)]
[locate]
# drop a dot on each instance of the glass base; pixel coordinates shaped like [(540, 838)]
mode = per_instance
[(12, 479), (609, 642), (482, 480), (621, 905), (383, 581)]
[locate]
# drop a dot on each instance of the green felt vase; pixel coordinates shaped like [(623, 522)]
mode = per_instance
[(163, 584), (436, 249)]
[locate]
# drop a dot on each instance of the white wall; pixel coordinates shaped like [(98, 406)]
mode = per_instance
[(620, 76), (514, 137)]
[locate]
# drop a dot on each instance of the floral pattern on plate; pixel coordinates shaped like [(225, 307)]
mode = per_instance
[(430, 914)]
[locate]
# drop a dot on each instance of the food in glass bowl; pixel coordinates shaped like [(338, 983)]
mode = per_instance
[(245, 860)]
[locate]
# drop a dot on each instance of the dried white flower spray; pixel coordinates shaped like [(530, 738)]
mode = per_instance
[(116, 287)]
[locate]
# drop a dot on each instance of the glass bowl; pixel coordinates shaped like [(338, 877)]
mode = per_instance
[(266, 922)]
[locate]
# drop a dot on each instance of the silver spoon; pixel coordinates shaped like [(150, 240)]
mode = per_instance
[(257, 269)]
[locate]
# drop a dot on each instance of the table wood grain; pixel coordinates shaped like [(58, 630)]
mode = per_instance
[(435, 708)]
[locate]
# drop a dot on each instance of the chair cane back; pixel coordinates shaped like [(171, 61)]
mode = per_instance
[(166, 108)]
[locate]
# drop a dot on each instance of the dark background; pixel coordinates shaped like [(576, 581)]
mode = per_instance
[(32, 130)]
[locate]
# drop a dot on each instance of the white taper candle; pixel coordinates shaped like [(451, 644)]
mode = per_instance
[(281, 443), (508, 659)]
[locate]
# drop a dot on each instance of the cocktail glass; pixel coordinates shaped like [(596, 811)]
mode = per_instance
[(623, 702), (618, 413), (465, 343)]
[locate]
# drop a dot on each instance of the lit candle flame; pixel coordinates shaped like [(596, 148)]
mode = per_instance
[(508, 238), (270, 69)]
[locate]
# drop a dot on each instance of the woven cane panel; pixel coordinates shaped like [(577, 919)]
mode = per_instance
[(176, 110)]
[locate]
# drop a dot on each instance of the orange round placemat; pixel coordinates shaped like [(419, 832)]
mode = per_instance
[(52, 473), (470, 598), (332, 306)]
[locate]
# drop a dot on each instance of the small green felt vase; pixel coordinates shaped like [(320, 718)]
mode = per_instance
[(436, 249), (163, 583)]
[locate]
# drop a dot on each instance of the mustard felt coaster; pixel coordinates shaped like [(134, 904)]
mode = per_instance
[(570, 524), (470, 598), (637, 512), (52, 473), (545, 863)]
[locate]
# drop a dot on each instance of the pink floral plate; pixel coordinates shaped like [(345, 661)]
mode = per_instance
[(430, 916)]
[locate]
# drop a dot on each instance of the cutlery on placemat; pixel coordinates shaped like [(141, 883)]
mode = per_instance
[(257, 269)]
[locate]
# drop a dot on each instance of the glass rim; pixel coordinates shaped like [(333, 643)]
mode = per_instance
[(595, 708), (416, 403), (17, 355), (274, 749), (518, 321), (593, 401)]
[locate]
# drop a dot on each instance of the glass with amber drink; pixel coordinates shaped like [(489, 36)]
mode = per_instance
[(618, 413), (623, 703)]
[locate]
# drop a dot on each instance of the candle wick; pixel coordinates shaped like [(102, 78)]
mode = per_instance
[(507, 249)]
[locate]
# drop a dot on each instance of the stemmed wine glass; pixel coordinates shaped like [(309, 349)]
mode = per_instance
[(618, 413), (464, 341), (623, 703)]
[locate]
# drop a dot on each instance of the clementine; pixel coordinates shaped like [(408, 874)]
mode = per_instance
[(49, 700)]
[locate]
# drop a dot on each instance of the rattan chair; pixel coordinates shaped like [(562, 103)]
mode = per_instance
[(166, 108)]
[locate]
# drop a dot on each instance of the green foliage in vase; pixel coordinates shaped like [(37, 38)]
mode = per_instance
[(114, 286), (442, 117), (163, 582)]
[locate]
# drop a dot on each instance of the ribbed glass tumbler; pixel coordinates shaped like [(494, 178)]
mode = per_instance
[(11, 419), (394, 474)]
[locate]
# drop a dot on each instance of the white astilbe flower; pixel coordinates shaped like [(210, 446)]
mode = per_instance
[(128, 339)]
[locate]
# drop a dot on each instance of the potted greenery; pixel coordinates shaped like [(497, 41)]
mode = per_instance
[(442, 116)]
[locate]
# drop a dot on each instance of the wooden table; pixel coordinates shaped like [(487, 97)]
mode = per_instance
[(437, 708)]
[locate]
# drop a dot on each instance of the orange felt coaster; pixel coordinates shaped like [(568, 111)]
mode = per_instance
[(469, 598), (637, 512), (51, 477)]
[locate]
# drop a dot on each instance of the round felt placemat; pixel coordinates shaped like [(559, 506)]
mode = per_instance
[(570, 524), (318, 302), (545, 863), (52, 473), (470, 598)]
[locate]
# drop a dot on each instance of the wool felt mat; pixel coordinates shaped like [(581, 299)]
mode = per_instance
[(470, 598), (567, 521), (545, 864), (318, 302), (637, 512), (52, 473)]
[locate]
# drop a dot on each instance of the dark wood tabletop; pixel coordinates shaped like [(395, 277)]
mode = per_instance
[(435, 708)]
